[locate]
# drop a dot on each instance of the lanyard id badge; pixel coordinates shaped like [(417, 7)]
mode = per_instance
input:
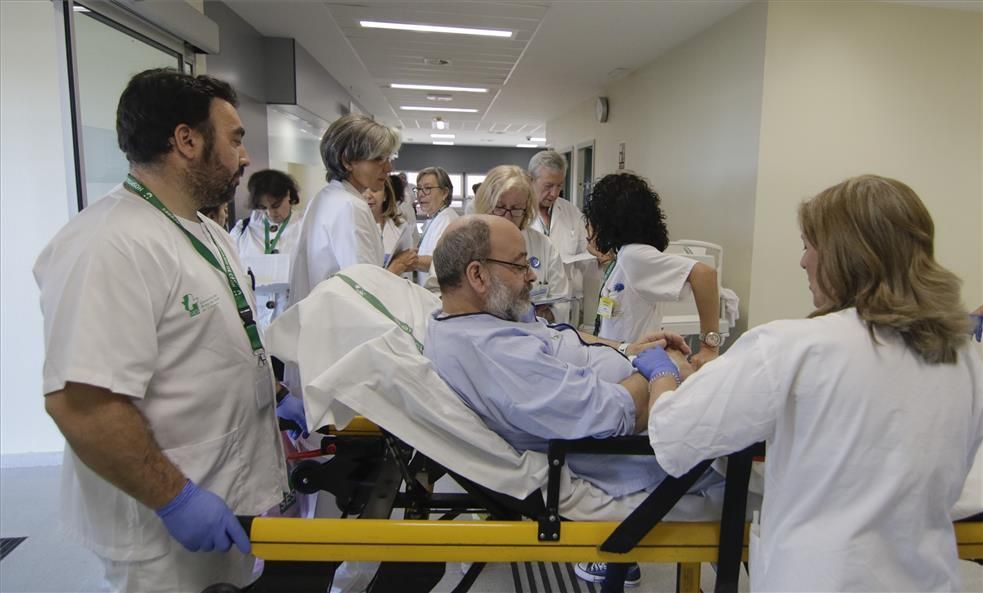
[(242, 305), (269, 247)]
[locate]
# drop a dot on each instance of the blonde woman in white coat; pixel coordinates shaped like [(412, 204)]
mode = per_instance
[(871, 409), (507, 192)]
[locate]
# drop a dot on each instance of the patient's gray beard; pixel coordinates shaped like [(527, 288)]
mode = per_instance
[(502, 303)]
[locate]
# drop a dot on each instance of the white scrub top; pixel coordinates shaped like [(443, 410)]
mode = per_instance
[(338, 231), (551, 277), (568, 233), (131, 307), (867, 451), (642, 279), (252, 243), (431, 234)]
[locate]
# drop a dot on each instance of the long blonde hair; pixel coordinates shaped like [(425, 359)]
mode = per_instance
[(874, 238), (500, 180)]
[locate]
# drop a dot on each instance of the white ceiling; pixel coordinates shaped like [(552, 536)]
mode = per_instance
[(561, 53)]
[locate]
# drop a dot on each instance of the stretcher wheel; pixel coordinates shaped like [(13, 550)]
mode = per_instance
[(303, 478)]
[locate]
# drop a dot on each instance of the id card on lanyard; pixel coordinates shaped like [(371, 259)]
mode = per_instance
[(269, 247), (264, 380), (605, 304)]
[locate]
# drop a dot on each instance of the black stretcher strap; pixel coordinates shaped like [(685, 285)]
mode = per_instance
[(732, 519), (648, 514)]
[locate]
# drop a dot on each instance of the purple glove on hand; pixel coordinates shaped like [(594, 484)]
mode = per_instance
[(201, 521), (654, 362), (977, 326), (292, 408)]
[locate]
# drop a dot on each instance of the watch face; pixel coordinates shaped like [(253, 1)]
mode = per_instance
[(712, 339)]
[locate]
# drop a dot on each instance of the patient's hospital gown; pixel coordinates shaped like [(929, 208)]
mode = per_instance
[(531, 382)]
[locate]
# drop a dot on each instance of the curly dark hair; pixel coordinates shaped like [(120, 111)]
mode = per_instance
[(157, 101), (270, 182), (622, 209)]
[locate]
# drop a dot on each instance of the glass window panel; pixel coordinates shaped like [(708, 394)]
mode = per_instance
[(107, 58)]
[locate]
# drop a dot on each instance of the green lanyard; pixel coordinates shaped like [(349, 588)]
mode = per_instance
[(430, 224), (242, 305), (546, 227), (607, 274), (270, 246), (381, 308)]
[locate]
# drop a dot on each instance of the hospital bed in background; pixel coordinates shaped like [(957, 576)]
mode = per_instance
[(403, 428)]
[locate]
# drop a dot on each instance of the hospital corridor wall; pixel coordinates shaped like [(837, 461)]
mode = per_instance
[(737, 125)]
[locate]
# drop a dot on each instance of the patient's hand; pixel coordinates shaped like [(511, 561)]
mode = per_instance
[(667, 340), (679, 358), (546, 312)]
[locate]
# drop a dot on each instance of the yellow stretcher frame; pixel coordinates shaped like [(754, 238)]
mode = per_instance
[(687, 544)]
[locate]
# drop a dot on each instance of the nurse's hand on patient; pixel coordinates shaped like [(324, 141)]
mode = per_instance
[(655, 362), (201, 521), (679, 358), (402, 262), (292, 408)]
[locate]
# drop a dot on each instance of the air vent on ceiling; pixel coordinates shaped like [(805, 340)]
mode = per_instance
[(439, 97), (436, 62)]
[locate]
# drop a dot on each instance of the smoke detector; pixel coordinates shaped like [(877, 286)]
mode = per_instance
[(438, 123)]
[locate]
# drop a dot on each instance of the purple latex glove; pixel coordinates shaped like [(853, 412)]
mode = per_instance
[(292, 408), (201, 521), (977, 326), (654, 362)]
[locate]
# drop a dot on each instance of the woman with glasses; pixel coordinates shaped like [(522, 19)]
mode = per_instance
[(433, 193), (273, 228), (624, 217), (507, 192), (338, 229)]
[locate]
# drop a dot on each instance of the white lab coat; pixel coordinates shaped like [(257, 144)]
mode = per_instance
[(338, 231), (409, 217), (252, 243), (431, 234), (643, 278), (131, 307), (551, 277), (568, 233), (867, 451)]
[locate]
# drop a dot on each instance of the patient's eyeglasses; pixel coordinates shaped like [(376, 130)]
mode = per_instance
[(512, 212), (522, 268)]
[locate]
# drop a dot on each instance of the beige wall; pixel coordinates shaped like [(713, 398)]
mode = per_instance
[(690, 122), (856, 87)]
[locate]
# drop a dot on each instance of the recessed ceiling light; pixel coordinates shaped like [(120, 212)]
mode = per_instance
[(536, 139), (442, 136), (448, 109), (437, 87), (526, 146), (442, 143), (435, 29)]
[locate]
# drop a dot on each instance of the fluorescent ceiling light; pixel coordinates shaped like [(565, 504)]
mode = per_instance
[(451, 136), (454, 109), (526, 146), (440, 143), (435, 29), (537, 139), (437, 87)]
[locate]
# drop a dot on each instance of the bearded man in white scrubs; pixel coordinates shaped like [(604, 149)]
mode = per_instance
[(154, 369)]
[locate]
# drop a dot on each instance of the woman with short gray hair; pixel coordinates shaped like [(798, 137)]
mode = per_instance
[(339, 229), (434, 192)]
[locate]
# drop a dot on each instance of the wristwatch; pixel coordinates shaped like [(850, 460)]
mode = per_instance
[(712, 339)]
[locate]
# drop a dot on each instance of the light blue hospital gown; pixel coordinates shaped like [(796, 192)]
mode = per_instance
[(531, 382)]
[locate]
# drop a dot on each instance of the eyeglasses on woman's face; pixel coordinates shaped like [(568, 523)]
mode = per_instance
[(425, 190), (510, 212)]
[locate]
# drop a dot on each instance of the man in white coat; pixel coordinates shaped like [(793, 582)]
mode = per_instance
[(154, 369), (559, 219)]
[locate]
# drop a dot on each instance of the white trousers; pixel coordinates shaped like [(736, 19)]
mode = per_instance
[(181, 571)]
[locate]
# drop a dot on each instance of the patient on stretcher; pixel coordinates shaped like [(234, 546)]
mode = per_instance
[(530, 382)]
